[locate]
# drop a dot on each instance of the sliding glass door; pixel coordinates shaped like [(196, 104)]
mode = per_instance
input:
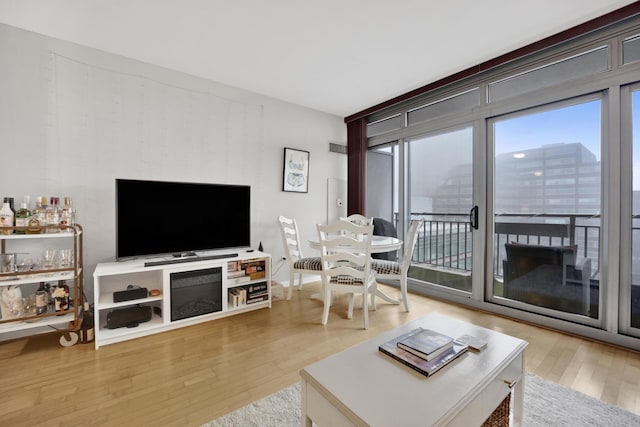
[(547, 209), (630, 259), (440, 192)]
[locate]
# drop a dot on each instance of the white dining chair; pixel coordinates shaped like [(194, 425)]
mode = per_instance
[(298, 263), (358, 219), (346, 265), (394, 270)]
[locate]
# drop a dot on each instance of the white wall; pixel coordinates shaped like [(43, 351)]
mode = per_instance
[(72, 119)]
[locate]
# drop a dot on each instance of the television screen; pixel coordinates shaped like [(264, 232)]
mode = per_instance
[(160, 217)]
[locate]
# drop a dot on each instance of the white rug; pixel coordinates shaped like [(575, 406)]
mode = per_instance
[(546, 404)]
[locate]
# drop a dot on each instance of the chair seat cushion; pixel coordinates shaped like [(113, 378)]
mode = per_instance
[(343, 279), (311, 263), (381, 266)]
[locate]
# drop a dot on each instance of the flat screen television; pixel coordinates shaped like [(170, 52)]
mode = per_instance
[(178, 218)]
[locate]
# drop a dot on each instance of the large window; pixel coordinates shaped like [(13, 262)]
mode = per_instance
[(634, 296), (541, 154), (546, 217)]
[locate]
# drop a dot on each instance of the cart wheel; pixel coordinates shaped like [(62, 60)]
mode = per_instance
[(73, 339)]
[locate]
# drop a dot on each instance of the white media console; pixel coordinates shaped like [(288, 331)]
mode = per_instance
[(191, 290)]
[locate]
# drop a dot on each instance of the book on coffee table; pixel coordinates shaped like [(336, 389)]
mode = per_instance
[(426, 343), (425, 367)]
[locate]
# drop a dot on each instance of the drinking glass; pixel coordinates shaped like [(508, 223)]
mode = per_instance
[(8, 263), (66, 258), (49, 259)]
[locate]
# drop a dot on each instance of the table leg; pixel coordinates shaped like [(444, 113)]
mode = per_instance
[(385, 297), (518, 398), (306, 421)]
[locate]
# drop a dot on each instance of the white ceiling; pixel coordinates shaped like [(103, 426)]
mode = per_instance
[(337, 56)]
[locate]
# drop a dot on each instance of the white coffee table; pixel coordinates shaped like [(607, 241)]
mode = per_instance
[(361, 386)]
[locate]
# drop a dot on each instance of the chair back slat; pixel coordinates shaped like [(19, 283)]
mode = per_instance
[(341, 252), (290, 238), (345, 251)]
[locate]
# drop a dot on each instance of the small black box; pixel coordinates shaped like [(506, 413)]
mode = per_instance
[(129, 294), (129, 317)]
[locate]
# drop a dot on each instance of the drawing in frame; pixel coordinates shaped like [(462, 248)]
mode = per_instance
[(296, 171)]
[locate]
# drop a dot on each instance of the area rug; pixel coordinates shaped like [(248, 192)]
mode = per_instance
[(546, 404)]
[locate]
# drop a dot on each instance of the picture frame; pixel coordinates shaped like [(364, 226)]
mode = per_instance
[(295, 176)]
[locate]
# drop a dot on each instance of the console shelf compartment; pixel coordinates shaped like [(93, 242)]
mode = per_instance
[(238, 270)]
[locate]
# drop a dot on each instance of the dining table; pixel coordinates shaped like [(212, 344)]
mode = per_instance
[(379, 244)]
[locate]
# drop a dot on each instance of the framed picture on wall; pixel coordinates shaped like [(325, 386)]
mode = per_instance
[(296, 171)]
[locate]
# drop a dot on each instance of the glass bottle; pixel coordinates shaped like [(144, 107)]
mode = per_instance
[(61, 296), (87, 325), (10, 200), (6, 217), (23, 215), (38, 218), (68, 214), (50, 288), (42, 299), (53, 215)]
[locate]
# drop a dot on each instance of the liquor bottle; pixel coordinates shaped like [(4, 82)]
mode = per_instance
[(61, 296), (50, 288), (10, 200), (87, 325), (68, 214), (6, 216), (42, 299), (23, 215), (53, 215), (38, 218)]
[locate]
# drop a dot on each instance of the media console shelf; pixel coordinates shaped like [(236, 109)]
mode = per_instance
[(191, 292)]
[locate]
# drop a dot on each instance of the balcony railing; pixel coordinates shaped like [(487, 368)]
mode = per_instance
[(445, 240)]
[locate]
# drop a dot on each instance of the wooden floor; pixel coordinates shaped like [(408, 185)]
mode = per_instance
[(189, 376)]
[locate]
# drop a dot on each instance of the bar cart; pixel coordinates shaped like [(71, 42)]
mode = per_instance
[(35, 258)]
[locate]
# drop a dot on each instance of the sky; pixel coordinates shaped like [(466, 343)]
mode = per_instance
[(576, 123)]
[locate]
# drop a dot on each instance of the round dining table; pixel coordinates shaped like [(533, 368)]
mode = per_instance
[(379, 244)]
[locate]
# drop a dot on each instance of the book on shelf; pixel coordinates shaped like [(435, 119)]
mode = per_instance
[(235, 274), (237, 297), (257, 275), (257, 299), (233, 266), (425, 367), (426, 343)]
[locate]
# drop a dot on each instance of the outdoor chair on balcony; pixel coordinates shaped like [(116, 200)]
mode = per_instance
[(382, 227), (547, 276)]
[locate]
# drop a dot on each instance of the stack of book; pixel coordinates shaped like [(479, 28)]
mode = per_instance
[(257, 293), (237, 297), (424, 350)]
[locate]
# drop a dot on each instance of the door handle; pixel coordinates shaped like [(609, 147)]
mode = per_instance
[(473, 217)]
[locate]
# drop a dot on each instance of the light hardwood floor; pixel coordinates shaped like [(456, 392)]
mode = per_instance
[(192, 375)]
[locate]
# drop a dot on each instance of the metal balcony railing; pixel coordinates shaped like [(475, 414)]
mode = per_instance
[(445, 240)]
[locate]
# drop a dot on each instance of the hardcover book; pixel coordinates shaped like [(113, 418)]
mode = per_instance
[(426, 343), (425, 367)]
